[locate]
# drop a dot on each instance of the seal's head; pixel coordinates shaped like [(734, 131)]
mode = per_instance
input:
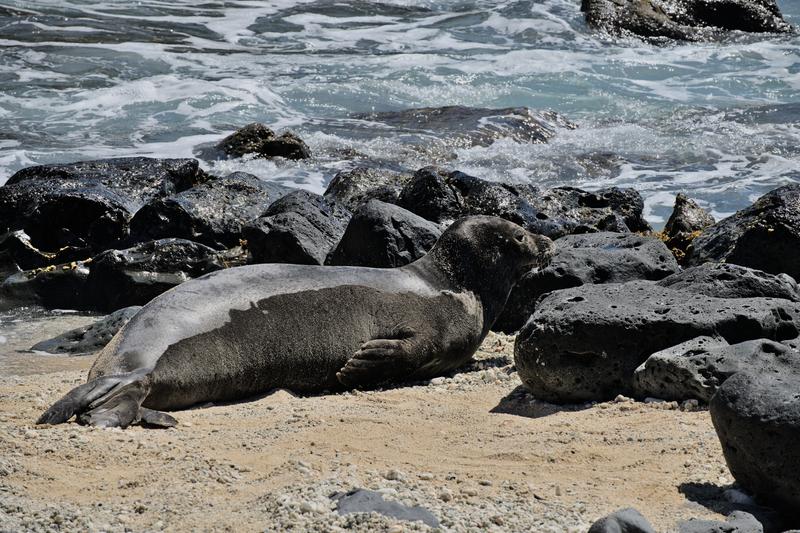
[(489, 252)]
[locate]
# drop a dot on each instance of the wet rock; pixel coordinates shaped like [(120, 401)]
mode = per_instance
[(88, 204), (689, 20), (757, 419), (470, 126), (443, 196), (724, 280), (212, 213), (737, 522), (89, 338), (369, 501), (351, 188), (584, 343), (385, 236), (18, 253), (587, 259), (698, 367), (764, 236), (685, 223), (623, 521), (261, 141), (300, 228), (55, 286), (134, 276)]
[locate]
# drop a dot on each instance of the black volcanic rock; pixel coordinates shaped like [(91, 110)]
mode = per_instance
[(585, 343), (261, 141), (587, 259), (623, 521), (88, 204), (385, 236), (88, 339), (725, 280), (351, 188), (764, 236), (212, 213)]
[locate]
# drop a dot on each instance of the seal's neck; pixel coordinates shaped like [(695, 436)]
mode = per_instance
[(489, 280)]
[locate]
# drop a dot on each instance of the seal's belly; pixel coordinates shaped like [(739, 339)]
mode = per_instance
[(296, 341)]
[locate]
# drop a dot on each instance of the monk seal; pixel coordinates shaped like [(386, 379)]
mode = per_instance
[(235, 333)]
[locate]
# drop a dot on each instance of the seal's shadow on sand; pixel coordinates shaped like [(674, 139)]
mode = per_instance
[(714, 498), (519, 402)]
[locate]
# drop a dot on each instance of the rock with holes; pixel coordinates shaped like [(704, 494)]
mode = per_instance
[(764, 236), (724, 280), (212, 213), (623, 521), (301, 228), (351, 188), (588, 259), (443, 196), (260, 141), (585, 343), (688, 20), (696, 368), (685, 223), (757, 418), (88, 339), (88, 204), (736, 522), (385, 236)]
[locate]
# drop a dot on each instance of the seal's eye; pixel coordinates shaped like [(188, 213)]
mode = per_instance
[(520, 237)]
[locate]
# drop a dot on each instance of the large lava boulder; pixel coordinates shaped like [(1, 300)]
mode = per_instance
[(18, 253), (587, 259), (260, 141), (212, 213), (685, 223), (765, 236), (351, 188), (134, 276), (301, 228), (442, 197), (585, 343), (698, 367), (88, 204), (725, 280), (689, 20), (757, 418), (385, 236)]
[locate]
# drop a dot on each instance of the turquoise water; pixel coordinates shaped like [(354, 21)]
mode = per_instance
[(92, 79)]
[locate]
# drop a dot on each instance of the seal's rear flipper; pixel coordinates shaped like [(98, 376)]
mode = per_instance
[(156, 418), (119, 408), (77, 400)]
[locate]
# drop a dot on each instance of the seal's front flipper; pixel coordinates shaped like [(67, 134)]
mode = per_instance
[(377, 361), (119, 408), (156, 419)]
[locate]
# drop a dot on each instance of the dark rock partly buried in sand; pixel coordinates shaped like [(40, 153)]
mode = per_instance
[(696, 368), (685, 223), (471, 126), (623, 521), (89, 338), (443, 196), (588, 259), (88, 204), (765, 236), (261, 141), (301, 228), (121, 278), (369, 501), (212, 213), (757, 418), (385, 236), (351, 188), (724, 280), (690, 20), (584, 343), (737, 522)]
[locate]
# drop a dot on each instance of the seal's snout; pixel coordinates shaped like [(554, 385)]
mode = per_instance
[(541, 249)]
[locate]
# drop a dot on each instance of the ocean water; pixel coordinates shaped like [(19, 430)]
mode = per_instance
[(99, 78)]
